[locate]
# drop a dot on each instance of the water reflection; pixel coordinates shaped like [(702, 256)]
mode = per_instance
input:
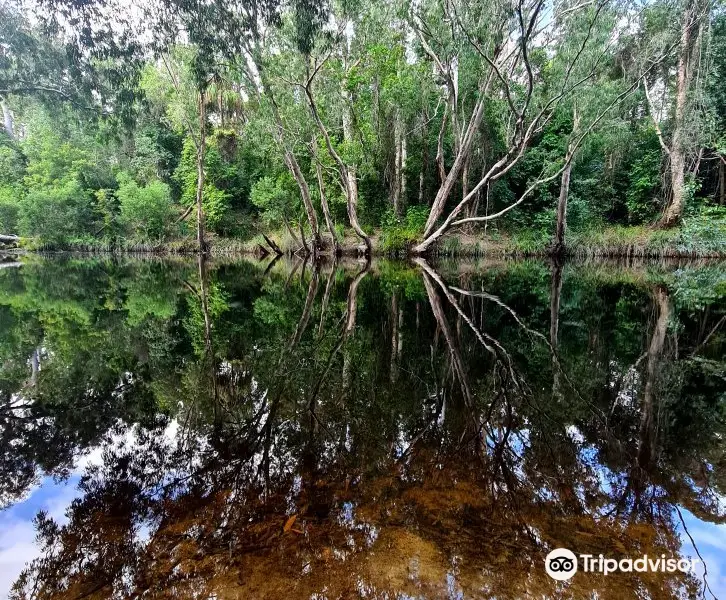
[(297, 430)]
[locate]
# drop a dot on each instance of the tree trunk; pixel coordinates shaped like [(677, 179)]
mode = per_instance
[(273, 245), (399, 178), (396, 187), (437, 208), (647, 433), (558, 247), (347, 175), (689, 36), (7, 119), (324, 204), (561, 227), (722, 179), (352, 183), (34, 367), (201, 151), (302, 183), (291, 161), (555, 296)]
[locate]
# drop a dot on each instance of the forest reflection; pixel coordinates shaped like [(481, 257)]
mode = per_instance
[(357, 430)]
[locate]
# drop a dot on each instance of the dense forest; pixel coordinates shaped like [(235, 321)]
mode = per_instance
[(404, 126)]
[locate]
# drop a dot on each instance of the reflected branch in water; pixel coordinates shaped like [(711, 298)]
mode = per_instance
[(271, 264), (350, 319), (309, 299), (647, 430), (328, 290)]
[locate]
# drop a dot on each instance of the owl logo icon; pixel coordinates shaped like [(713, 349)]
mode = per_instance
[(561, 564)]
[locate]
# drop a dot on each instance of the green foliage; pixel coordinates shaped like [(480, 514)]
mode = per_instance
[(55, 214), (155, 154), (216, 206), (275, 198), (145, 211), (399, 235), (185, 175), (644, 180), (215, 201), (11, 165), (704, 230), (9, 200), (697, 288), (391, 99)]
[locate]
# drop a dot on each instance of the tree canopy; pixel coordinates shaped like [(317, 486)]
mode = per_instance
[(409, 122)]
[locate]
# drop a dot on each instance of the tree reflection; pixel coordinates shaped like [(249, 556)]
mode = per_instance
[(294, 445)]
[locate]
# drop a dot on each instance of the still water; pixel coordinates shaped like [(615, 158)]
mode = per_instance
[(176, 429)]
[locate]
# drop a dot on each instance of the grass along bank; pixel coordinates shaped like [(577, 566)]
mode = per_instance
[(701, 235)]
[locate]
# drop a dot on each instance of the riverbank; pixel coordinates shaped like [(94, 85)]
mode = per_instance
[(607, 242)]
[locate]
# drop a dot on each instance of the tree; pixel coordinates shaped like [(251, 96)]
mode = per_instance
[(694, 24), (527, 109)]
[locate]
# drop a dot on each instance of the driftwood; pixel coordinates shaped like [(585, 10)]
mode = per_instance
[(8, 238), (272, 245)]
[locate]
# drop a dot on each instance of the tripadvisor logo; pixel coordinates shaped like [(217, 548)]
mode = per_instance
[(561, 564)]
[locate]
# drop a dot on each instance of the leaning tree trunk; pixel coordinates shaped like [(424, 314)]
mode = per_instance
[(326, 209), (347, 175), (452, 177), (352, 181), (297, 173), (291, 161)]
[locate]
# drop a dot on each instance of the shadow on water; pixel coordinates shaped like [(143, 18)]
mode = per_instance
[(353, 430)]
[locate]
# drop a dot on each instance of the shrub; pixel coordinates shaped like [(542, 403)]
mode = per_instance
[(275, 199), (216, 205), (54, 214), (704, 231), (146, 212), (400, 234), (9, 198)]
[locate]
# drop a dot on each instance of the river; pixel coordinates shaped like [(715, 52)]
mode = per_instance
[(256, 429)]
